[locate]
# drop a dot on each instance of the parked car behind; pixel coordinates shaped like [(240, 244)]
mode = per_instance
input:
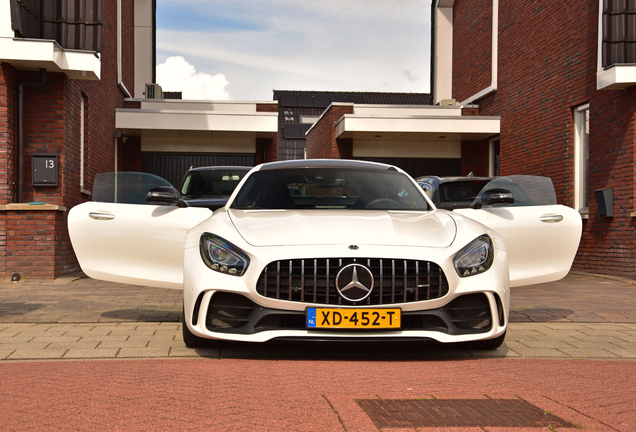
[(451, 193), (211, 186)]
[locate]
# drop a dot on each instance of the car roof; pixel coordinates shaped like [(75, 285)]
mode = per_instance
[(221, 168), (454, 178), (326, 163)]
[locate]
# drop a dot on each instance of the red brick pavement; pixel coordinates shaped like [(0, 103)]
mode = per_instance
[(270, 395)]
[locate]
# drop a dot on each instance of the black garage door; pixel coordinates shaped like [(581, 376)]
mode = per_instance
[(417, 167), (172, 167)]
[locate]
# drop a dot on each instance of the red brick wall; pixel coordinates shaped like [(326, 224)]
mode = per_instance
[(8, 131), (37, 242), (267, 108), (8, 144), (267, 149), (475, 154), (475, 158), (471, 47), (546, 68), (321, 140), (129, 154), (609, 244)]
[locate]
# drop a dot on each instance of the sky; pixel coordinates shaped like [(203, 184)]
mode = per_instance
[(246, 49)]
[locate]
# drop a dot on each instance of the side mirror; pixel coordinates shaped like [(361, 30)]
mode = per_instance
[(493, 197), (165, 195)]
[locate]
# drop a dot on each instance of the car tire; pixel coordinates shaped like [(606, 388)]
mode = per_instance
[(489, 344), (190, 339)]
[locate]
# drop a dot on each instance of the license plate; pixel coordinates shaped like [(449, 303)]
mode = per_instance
[(390, 318)]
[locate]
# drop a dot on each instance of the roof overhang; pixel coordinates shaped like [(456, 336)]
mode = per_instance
[(132, 122), (617, 77), (35, 54), (417, 128)]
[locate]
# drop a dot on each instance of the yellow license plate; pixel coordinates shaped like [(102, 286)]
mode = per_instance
[(390, 318)]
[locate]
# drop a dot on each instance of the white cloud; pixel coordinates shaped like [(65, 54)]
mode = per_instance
[(176, 74)]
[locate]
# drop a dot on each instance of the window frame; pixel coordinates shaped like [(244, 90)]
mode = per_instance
[(581, 156), (494, 157)]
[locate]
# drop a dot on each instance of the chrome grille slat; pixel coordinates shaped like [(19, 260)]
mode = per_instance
[(291, 286), (294, 280), (302, 281), (392, 281), (428, 283)]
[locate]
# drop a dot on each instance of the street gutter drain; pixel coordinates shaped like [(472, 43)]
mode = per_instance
[(458, 413)]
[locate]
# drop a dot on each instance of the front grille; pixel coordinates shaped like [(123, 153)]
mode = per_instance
[(314, 281)]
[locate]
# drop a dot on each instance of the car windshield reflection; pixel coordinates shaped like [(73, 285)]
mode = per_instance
[(527, 190), (125, 187), (330, 188)]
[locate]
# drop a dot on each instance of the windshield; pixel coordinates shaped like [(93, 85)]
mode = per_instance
[(213, 183), (330, 188)]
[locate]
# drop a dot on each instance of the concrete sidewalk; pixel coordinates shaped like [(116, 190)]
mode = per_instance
[(581, 317)]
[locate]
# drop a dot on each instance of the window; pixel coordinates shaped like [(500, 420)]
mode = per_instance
[(619, 32), (581, 157), (493, 166), (616, 58)]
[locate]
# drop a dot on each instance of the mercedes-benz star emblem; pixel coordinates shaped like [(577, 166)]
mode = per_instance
[(354, 282)]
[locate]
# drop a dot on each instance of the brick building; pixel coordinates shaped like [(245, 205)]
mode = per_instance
[(561, 76), (65, 67), (421, 139)]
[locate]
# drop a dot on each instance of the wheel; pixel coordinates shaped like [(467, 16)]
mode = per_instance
[(191, 340), (489, 344), (383, 203)]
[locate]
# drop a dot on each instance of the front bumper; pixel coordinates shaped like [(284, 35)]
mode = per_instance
[(227, 307)]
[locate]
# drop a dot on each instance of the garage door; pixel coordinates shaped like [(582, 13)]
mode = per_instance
[(172, 167), (417, 167)]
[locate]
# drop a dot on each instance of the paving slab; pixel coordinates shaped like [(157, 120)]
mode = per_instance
[(313, 395)]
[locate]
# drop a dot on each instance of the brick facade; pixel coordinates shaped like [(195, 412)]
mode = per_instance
[(266, 149), (36, 243), (321, 139), (546, 68)]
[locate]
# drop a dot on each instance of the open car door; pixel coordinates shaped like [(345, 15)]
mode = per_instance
[(134, 243), (541, 237)]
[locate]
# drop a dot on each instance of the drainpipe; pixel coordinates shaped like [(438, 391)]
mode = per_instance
[(120, 80), (116, 136), (20, 197)]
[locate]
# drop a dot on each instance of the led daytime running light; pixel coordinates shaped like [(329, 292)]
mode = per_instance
[(222, 256)]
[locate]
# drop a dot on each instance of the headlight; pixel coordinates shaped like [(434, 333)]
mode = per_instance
[(474, 258), (222, 256)]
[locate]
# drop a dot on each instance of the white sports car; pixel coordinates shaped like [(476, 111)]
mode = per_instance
[(334, 250)]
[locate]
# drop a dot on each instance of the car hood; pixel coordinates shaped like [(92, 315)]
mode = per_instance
[(336, 227)]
